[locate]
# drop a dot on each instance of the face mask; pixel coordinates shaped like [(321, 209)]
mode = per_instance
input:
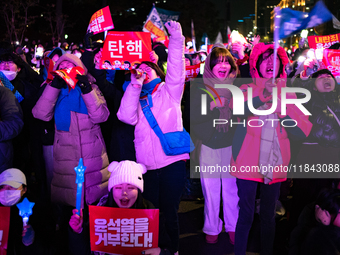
[(78, 54), (10, 74), (10, 197)]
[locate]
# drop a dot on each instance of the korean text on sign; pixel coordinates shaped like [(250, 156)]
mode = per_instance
[(101, 21), (122, 50), (123, 231), (192, 71), (325, 41)]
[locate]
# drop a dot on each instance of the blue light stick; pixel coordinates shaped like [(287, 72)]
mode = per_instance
[(25, 210), (80, 169)]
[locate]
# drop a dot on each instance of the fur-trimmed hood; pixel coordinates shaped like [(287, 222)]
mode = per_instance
[(71, 58)]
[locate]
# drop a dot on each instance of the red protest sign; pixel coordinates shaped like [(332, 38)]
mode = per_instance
[(100, 21), (192, 71), (69, 75), (322, 41), (4, 228), (123, 231), (331, 59), (122, 50)]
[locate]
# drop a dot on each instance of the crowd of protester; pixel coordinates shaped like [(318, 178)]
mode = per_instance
[(46, 127)]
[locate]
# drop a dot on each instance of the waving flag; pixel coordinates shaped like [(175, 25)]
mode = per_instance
[(291, 22), (154, 24), (167, 15)]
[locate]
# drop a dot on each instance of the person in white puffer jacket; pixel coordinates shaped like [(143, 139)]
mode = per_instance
[(165, 178)]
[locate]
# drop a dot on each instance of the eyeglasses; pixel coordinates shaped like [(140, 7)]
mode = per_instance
[(7, 63), (146, 69)]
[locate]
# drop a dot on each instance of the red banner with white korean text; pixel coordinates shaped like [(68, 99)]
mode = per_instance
[(123, 231), (331, 59), (100, 21), (122, 50), (192, 71), (322, 41), (4, 228)]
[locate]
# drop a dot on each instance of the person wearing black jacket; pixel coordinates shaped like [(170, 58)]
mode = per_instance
[(10, 125), (27, 145), (322, 146)]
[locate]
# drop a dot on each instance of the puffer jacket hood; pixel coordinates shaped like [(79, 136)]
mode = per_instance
[(259, 49), (71, 58)]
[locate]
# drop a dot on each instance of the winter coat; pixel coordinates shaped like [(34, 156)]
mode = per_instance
[(11, 123), (28, 145), (202, 125), (326, 129), (83, 140), (166, 109), (247, 139)]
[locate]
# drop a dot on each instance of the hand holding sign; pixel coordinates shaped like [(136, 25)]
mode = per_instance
[(174, 29)]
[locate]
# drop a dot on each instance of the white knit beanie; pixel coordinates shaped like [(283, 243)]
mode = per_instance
[(126, 172)]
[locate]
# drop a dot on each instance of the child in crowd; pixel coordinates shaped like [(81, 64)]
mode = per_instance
[(265, 144), (23, 239), (215, 148), (125, 191)]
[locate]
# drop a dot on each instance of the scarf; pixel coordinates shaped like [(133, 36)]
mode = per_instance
[(270, 152), (148, 88), (68, 101), (210, 80), (6, 83)]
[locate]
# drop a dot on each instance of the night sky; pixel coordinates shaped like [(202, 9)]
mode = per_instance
[(238, 9)]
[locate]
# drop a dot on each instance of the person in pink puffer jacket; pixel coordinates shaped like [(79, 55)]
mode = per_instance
[(165, 178), (261, 143), (77, 135)]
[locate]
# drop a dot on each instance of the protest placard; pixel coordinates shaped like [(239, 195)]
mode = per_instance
[(331, 59), (322, 41), (100, 21), (192, 71), (4, 229), (123, 231), (122, 50)]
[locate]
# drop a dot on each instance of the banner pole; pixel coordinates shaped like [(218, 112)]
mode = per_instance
[(277, 17)]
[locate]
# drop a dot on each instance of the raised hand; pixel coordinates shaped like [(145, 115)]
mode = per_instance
[(153, 57), (174, 28)]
